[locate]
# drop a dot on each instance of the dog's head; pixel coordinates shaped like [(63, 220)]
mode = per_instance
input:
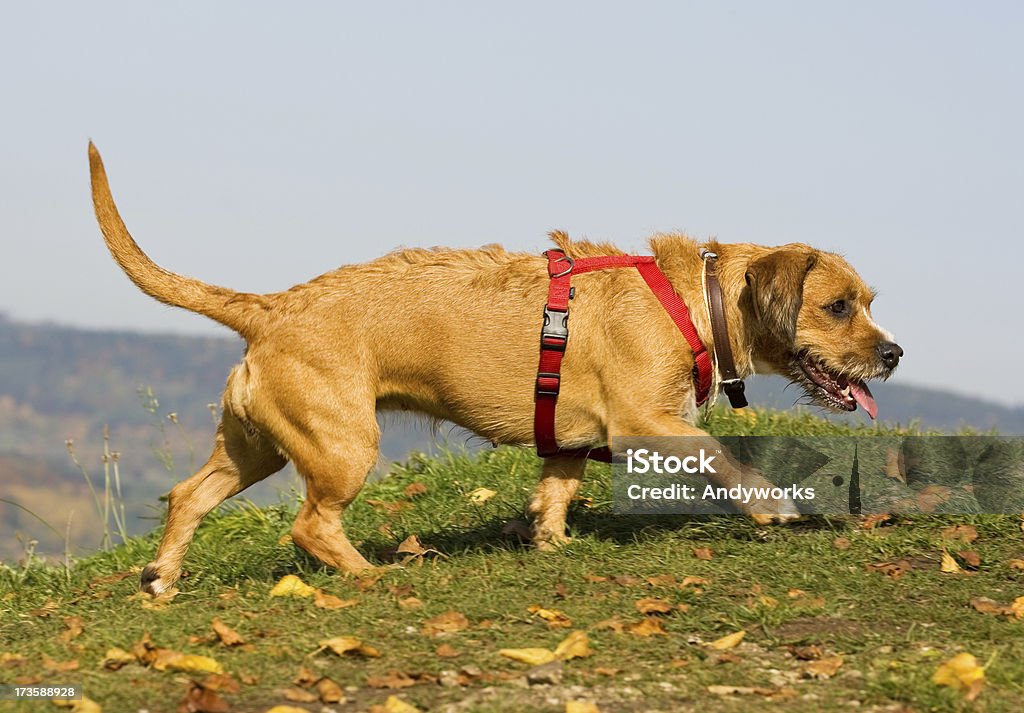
[(813, 325)]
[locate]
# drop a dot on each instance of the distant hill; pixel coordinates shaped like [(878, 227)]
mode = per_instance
[(59, 383)]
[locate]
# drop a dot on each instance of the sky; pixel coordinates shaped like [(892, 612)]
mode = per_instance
[(256, 145)]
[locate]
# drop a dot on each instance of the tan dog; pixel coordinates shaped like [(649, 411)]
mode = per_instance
[(454, 334)]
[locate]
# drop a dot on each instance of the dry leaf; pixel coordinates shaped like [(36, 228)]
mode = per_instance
[(329, 601), (1016, 564), (299, 696), (450, 621), (662, 580), (553, 617), (730, 641), (82, 705), (1017, 608), (652, 605), (614, 623), (970, 558), (392, 679), (650, 626), (74, 624), (227, 635), (481, 495), (329, 691), (342, 645), (59, 666), (581, 707), (891, 569), (532, 656), (221, 682), (292, 586), (410, 603), (841, 543), (188, 663), (394, 704), (989, 606), (200, 699), (967, 533), (703, 553), (694, 581), (445, 651), (116, 658), (823, 668), (962, 673), (949, 565), (286, 709), (575, 645), (413, 490), (873, 521)]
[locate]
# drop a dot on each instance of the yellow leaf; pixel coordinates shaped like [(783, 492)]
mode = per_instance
[(648, 627), (329, 601), (286, 709), (116, 658), (227, 635), (581, 707), (949, 565), (962, 673), (653, 605), (292, 586), (1016, 564), (824, 668), (534, 657), (481, 495), (190, 663), (82, 705), (575, 645), (730, 641), (342, 645), (1017, 607), (394, 704), (553, 617)]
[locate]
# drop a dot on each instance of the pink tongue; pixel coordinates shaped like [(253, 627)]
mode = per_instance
[(861, 394)]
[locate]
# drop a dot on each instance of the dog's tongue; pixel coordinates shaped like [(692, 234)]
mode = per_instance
[(863, 397)]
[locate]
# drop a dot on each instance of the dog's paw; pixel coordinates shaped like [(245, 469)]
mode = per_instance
[(153, 583), (550, 542)]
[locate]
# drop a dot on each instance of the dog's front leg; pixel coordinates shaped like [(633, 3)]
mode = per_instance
[(559, 481)]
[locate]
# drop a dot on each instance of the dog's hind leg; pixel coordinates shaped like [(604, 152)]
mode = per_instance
[(560, 479), (333, 480), (238, 460)]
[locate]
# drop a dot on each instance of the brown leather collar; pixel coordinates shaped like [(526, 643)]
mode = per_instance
[(731, 383)]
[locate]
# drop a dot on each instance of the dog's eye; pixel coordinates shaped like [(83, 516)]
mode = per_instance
[(838, 307)]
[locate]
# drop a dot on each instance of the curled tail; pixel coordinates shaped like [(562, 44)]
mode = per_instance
[(238, 310)]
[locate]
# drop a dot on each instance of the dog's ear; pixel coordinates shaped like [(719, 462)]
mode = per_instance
[(775, 284)]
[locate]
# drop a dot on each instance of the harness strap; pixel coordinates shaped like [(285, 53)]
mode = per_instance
[(554, 337)]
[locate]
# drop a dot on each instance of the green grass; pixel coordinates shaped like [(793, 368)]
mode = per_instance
[(892, 633)]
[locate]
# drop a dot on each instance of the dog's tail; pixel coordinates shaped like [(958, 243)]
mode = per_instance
[(238, 310)]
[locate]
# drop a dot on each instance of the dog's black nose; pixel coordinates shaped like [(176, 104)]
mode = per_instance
[(890, 353)]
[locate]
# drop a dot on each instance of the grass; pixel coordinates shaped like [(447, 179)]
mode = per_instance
[(799, 592)]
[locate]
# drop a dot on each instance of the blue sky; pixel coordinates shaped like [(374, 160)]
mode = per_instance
[(256, 145)]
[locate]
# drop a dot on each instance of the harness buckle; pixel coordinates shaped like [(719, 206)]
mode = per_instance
[(548, 383), (555, 333)]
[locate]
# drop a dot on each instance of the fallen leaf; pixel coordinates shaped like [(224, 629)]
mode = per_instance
[(553, 617), (306, 677), (291, 586), (891, 569), (1016, 564), (989, 606), (481, 495), (412, 547), (227, 635), (694, 581), (1017, 608), (967, 533), (297, 695), (394, 704), (961, 673), (410, 603), (329, 601), (117, 658), (703, 553), (414, 490), (729, 641), (342, 645), (823, 668), (811, 652), (188, 663), (649, 626), (652, 605), (581, 707), (450, 621), (607, 671), (614, 623), (60, 666), (82, 705), (532, 656), (872, 521), (949, 565), (200, 699), (74, 625), (221, 682), (575, 645), (329, 691), (287, 709), (841, 543), (445, 651), (970, 558), (662, 580), (392, 679)]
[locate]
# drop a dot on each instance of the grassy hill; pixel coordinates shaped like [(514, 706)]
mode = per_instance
[(836, 613)]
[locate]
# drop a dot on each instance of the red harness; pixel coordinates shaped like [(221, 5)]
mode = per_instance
[(555, 335)]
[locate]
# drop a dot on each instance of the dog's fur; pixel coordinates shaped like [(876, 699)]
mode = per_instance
[(454, 334)]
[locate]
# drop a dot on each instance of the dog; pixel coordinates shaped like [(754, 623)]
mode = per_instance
[(454, 334)]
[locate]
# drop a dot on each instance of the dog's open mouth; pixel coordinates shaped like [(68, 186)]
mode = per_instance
[(832, 389)]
